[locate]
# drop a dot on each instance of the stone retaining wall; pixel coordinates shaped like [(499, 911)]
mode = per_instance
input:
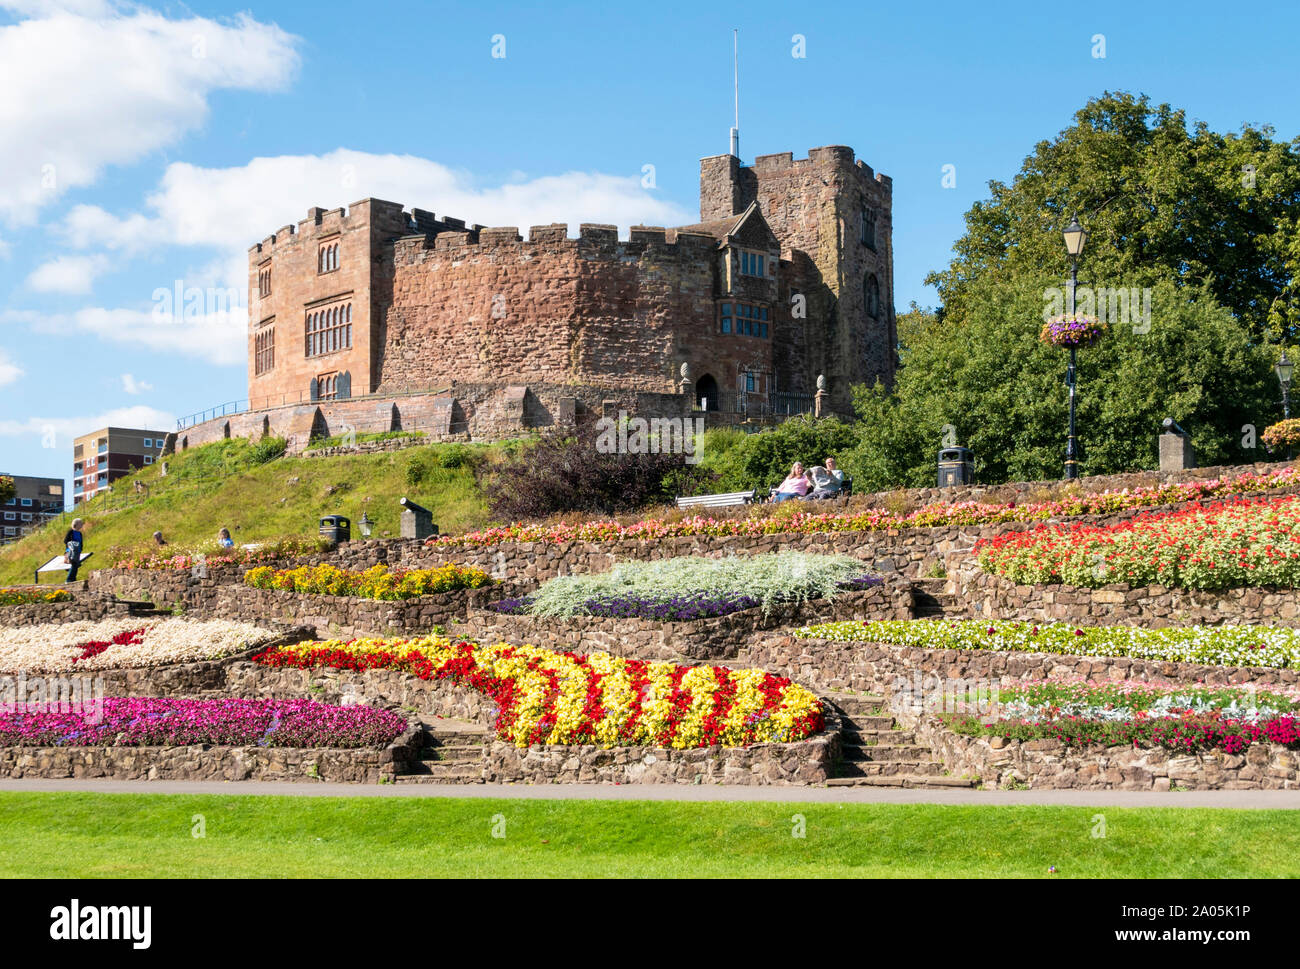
[(352, 616), (806, 762), (1049, 764), (699, 640), (167, 588), (379, 447), (81, 606), (207, 763), (982, 595)]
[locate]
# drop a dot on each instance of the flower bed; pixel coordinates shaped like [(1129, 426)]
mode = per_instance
[(1224, 545), (376, 582), (936, 515), (122, 644), (160, 722), (151, 557), (23, 597), (549, 697), (1184, 719), (694, 587), (1261, 646)]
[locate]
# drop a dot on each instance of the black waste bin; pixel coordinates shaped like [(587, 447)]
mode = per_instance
[(336, 528), (956, 467)]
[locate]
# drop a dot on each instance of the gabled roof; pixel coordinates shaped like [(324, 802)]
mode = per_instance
[(720, 229)]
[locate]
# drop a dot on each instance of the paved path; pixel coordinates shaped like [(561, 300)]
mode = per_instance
[(1289, 800)]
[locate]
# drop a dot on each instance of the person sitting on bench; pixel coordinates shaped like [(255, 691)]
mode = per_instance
[(796, 484), (828, 481)]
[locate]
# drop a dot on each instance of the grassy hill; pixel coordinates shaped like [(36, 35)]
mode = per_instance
[(258, 494)]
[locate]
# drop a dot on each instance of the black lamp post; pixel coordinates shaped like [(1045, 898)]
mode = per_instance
[(1285, 368), (1075, 237)]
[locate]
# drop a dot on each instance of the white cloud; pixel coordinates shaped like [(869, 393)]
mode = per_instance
[(133, 386), (63, 429), (9, 371), (217, 335), (90, 84), (237, 207), (74, 275)]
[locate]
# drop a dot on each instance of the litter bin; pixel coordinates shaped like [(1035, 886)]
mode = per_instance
[(336, 528), (956, 467)]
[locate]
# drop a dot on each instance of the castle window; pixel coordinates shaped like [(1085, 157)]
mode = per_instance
[(753, 264), (871, 296), (327, 386), (869, 227), (328, 330), (743, 319), (264, 351), (264, 282), (327, 260)]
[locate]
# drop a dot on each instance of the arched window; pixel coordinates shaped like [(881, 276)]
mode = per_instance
[(868, 227), (871, 295)]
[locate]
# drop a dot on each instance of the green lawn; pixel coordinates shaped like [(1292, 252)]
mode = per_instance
[(126, 835)]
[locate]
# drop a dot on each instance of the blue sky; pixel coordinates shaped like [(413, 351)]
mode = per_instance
[(145, 145)]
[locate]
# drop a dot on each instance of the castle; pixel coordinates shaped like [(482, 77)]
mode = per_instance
[(788, 276)]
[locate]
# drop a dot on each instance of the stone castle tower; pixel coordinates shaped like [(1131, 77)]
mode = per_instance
[(833, 218)]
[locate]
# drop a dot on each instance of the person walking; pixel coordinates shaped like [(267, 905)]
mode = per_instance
[(72, 546)]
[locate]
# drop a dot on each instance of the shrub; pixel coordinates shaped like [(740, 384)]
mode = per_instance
[(6, 488), (268, 449), (568, 471), (376, 582), (417, 470), (764, 579), (549, 697)]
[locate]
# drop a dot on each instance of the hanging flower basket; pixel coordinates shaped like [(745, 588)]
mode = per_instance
[(1282, 436), (1072, 331)]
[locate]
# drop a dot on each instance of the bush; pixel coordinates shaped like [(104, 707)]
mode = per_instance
[(6, 488), (762, 460), (764, 579), (1282, 436), (417, 470), (568, 472), (268, 449)]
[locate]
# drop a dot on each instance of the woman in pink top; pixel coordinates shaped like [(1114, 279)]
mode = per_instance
[(796, 484)]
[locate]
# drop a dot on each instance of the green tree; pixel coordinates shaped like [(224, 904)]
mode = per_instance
[(1003, 392), (1160, 202), (6, 488)]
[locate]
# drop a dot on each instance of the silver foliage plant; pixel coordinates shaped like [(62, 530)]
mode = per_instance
[(771, 578)]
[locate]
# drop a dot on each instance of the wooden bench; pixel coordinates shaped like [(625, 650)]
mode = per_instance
[(719, 501)]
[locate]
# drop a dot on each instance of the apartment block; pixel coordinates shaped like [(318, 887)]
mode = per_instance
[(35, 501), (101, 457)]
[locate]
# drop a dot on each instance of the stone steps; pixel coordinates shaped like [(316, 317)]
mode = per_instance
[(855, 704), (453, 753), (443, 772), (921, 781)]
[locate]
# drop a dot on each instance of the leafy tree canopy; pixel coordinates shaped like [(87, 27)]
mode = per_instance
[(1160, 201)]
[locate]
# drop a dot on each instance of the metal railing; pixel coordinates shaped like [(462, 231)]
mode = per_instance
[(270, 401), (757, 405)]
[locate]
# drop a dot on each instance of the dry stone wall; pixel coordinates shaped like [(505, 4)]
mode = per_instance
[(1049, 764)]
